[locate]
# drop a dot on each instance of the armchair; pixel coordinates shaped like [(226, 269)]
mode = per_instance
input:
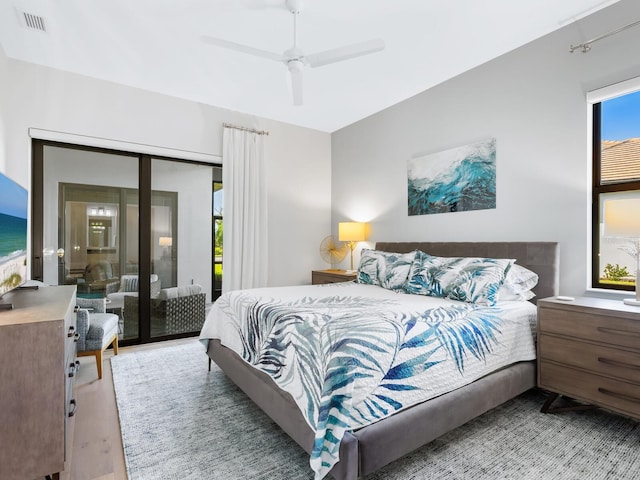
[(96, 329), (175, 310)]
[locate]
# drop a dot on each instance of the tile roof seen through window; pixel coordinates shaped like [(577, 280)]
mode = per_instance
[(620, 160)]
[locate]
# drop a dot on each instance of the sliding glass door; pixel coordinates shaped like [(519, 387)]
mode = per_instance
[(105, 220), (180, 245), (81, 216)]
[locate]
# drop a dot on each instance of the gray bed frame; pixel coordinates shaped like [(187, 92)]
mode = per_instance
[(370, 448)]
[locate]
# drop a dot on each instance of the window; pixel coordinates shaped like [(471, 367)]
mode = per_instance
[(616, 188)]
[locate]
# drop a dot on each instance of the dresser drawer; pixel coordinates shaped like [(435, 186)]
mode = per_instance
[(596, 328), (599, 359), (616, 395)]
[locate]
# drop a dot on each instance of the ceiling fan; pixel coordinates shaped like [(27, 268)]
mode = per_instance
[(295, 59)]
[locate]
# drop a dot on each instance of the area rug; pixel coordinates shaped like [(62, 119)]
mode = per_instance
[(180, 421)]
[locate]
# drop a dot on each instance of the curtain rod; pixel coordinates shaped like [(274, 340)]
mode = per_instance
[(586, 46), (245, 129)]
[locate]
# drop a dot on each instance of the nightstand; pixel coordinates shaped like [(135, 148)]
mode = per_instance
[(589, 349), (319, 277)]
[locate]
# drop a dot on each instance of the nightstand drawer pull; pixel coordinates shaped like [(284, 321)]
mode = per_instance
[(623, 396), (616, 363), (615, 331), (74, 404)]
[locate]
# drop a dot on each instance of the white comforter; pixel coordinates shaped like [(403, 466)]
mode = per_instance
[(352, 354)]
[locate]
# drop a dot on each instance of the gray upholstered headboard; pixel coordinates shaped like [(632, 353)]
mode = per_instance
[(540, 257)]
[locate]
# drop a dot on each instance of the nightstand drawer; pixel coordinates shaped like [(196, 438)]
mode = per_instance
[(599, 359), (597, 328), (620, 396)]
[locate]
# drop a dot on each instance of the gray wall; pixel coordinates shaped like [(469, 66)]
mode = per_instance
[(533, 101)]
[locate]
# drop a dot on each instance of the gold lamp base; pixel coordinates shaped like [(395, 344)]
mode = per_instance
[(352, 245)]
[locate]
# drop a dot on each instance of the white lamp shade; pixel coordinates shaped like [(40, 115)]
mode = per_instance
[(622, 217), (352, 231), (165, 241)]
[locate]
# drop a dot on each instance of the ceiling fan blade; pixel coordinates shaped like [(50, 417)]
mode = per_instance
[(218, 42), (296, 85), (344, 53)]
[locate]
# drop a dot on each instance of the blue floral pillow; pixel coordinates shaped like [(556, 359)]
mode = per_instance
[(468, 279), (389, 270)]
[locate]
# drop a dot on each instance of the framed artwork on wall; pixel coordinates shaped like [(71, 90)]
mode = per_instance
[(455, 180)]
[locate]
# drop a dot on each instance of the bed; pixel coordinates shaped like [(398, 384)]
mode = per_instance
[(367, 449)]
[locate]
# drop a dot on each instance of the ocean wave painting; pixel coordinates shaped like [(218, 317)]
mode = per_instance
[(454, 180)]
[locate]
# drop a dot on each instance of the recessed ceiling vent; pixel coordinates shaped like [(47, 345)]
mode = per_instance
[(31, 21)]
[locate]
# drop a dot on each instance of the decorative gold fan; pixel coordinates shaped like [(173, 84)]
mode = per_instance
[(331, 251)]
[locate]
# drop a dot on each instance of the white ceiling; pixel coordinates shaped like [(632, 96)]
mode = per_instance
[(155, 45)]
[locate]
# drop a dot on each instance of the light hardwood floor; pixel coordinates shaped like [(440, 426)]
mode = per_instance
[(97, 452)]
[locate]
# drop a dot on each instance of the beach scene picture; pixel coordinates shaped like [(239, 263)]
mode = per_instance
[(454, 180), (13, 235)]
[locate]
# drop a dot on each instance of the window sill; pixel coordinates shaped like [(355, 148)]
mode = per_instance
[(606, 293)]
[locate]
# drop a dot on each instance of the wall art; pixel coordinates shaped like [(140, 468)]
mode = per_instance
[(454, 180)]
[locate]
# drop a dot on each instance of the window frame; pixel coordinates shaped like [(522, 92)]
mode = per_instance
[(595, 100)]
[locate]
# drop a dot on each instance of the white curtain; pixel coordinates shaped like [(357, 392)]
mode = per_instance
[(244, 256)]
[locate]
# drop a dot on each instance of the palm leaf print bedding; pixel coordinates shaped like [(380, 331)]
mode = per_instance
[(351, 354)]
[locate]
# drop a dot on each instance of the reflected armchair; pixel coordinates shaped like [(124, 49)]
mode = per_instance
[(96, 329), (98, 277)]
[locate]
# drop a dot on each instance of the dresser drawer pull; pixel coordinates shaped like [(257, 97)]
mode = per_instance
[(72, 368), (615, 331), (71, 331), (617, 363), (72, 403), (623, 396)]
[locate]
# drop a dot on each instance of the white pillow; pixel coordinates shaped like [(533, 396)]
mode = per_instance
[(183, 291), (167, 293), (187, 290), (518, 284)]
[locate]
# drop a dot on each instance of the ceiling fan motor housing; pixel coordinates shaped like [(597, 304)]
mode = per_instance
[(295, 66)]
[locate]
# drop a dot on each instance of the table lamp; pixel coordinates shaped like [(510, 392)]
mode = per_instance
[(352, 233), (622, 219), (165, 242)]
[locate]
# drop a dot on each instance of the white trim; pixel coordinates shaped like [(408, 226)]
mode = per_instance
[(612, 91), (99, 142), (619, 293)]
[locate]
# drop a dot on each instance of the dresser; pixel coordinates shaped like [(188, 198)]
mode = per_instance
[(589, 349), (319, 277), (37, 372)]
